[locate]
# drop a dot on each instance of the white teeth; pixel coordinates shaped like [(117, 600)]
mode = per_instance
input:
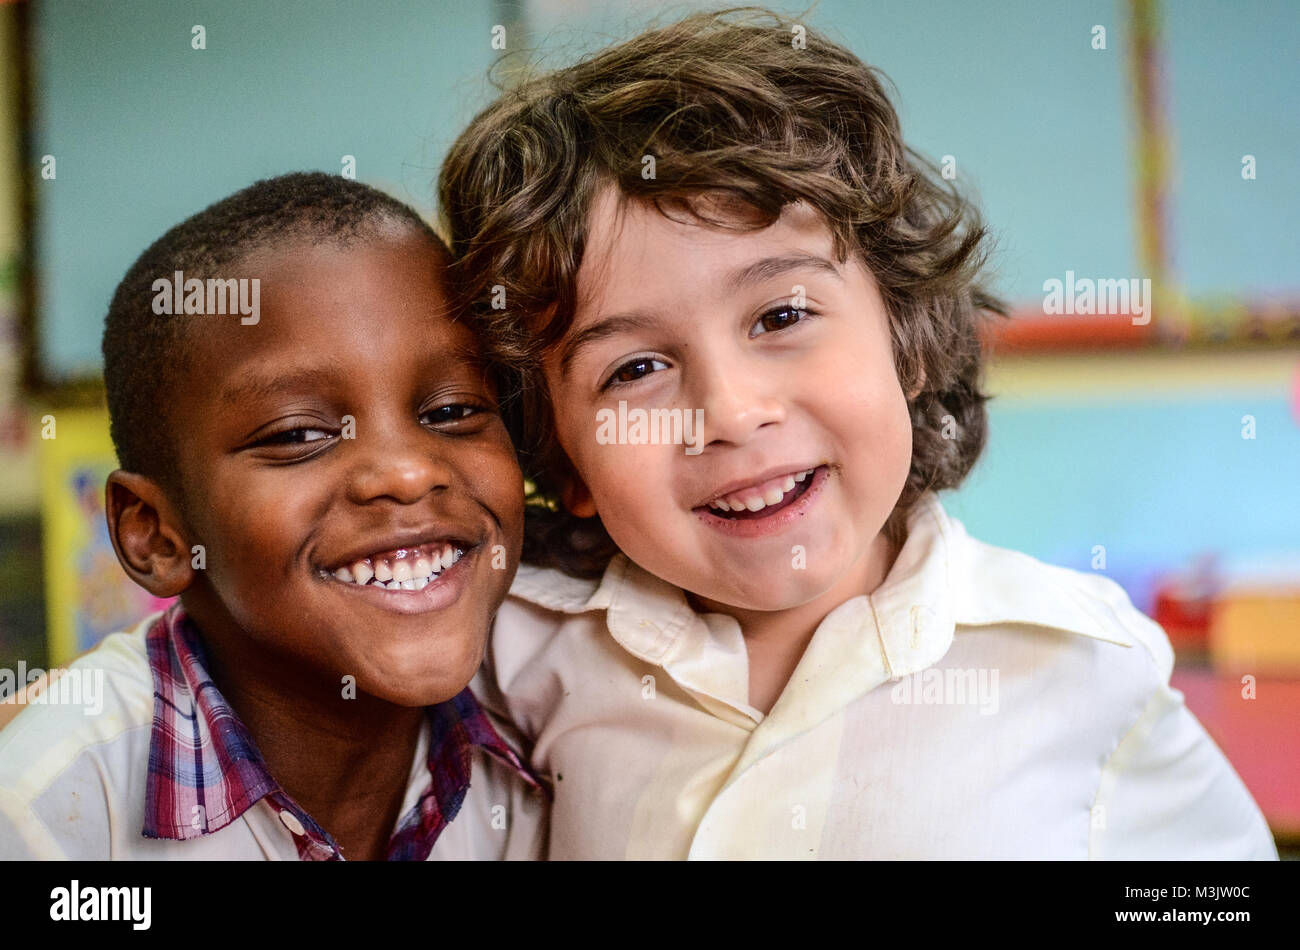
[(415, 570), (756, 503)]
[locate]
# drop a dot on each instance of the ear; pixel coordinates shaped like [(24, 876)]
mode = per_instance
[(919, 385), (577, 497), (146, 534)]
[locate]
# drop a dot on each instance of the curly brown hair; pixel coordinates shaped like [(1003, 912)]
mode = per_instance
[(730, 104)]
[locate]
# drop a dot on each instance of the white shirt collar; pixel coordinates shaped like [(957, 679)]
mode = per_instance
[(941, 579)]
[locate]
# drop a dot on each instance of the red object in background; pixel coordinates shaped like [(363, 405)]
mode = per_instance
[(1187, 621), (1031, 331), (1260, 737), (1184, 602)]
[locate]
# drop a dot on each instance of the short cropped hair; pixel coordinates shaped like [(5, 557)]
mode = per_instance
[(728, 106), (145, 353)]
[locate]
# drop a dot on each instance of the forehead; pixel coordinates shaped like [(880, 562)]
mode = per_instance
[(302, 273), (370, 305), (632, 246)]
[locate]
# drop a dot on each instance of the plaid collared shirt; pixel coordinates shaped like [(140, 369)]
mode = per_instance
[(205, 770)]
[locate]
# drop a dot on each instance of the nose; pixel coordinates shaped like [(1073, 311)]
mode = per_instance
[(739, 397), (397, 463)]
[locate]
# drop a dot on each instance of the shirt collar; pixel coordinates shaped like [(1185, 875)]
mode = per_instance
[(205, 770), (942, 579)]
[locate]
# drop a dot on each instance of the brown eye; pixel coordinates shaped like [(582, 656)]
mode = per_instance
[(636, 369), (780, 319), (454, 412), (296, 436)]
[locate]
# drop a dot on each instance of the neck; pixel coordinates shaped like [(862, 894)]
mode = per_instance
[(775, 640), (345, 761)]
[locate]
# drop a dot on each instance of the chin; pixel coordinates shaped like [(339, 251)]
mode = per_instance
[(422, 693), (767, 597), (425, 683)]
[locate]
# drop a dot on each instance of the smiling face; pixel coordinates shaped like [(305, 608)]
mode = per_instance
[(806, 434), (350, 432)]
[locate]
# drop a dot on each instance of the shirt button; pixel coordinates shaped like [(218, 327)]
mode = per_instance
[(290, 821)]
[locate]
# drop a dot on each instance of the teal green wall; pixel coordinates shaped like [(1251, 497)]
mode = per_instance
[(1156, 483), (146, 130)]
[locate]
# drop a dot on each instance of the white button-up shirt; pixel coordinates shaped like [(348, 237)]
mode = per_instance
[(979, 704)]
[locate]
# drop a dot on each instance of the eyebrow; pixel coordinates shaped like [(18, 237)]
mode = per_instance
[(606, 327), (763, 269), (325, 376), (255, 386), (768, 267)]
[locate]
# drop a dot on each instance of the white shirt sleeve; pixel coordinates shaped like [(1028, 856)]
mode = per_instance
[(1168, 792)]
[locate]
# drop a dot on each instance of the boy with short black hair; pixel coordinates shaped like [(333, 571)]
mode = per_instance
[(318, 468), (774, 642)]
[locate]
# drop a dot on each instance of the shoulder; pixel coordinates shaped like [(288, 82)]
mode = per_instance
[(93, 698), (540, 602), (77, 752), (543, 632), (996, 585)]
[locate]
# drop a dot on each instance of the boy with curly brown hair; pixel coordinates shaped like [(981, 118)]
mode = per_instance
[(765, 637)]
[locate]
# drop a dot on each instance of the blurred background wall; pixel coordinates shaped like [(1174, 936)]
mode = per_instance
[(1113, 140)]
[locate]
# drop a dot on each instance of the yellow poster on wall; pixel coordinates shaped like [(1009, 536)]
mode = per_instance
[(88, 595)]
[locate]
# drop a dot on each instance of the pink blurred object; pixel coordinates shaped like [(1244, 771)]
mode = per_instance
[(1259, 735), (1295, 396)]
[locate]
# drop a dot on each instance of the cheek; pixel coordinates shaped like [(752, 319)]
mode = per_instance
[(631, 488), (628, 482), (260, 531), (869, 408), (495, 471)]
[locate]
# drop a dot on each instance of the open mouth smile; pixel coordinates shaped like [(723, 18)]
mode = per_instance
[(763, 498), (766, 506), (412, 580), (410, 568)]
